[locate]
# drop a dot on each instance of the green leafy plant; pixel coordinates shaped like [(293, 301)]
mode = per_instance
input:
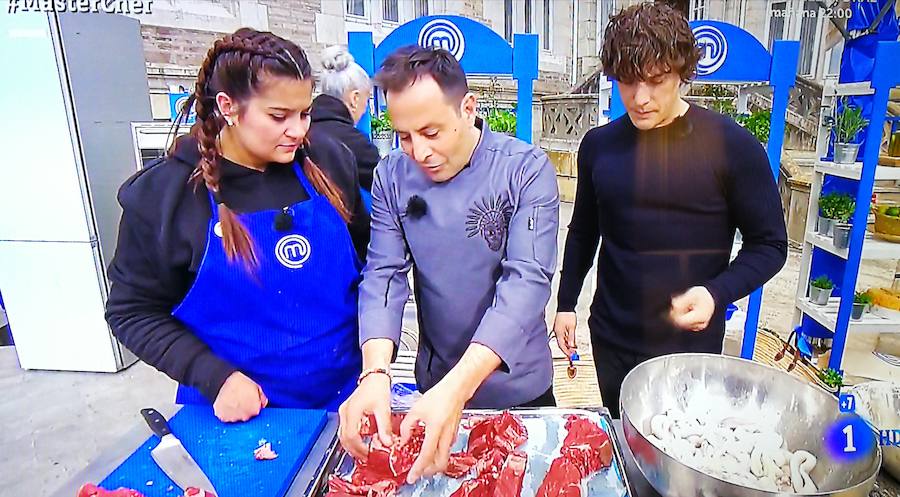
[(726, 107), (823, 282), (862, 298), (849, 123), (758, 123), (381, 124), (501, 121), (717, 91), (846, 206), (836, 205), (721, 98), (892, 211), (832, 378)]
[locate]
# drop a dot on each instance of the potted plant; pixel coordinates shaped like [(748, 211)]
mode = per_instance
[(847, 126), (820, 290), (844, 211), (502, 121), (830, 206), (832, 378), (757, 123), (382, 133), (860, 302)]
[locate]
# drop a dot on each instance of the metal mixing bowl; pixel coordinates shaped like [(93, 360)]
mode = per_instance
[(797, 410), (879, 402)]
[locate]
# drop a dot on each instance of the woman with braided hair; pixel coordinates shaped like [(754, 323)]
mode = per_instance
[(238, 259)]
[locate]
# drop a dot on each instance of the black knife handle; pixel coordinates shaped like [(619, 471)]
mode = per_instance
[(156, 421)]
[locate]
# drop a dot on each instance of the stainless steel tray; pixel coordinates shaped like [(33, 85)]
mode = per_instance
[(542, 447)]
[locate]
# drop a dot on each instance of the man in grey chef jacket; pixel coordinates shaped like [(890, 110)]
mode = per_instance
[(475, 215)]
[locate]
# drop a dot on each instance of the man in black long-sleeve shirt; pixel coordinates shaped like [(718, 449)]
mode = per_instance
[(666, 186)]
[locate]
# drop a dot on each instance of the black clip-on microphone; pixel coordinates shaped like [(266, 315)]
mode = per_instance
[(284, 221), (416, 207)]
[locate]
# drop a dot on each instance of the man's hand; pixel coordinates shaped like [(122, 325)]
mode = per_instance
[(693, 309), (372, 396), (564, 327), (440, 410), (239, 399)]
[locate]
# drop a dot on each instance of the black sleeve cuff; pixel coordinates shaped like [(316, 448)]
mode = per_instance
[(212, 373), (565, 304)]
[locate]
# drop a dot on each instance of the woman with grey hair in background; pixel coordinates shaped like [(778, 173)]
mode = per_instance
[(345, 88)]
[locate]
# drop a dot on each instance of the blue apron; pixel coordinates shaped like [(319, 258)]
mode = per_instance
[(291, 326)]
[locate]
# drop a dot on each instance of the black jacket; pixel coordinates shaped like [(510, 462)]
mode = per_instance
[(331, 116), (162, 240)]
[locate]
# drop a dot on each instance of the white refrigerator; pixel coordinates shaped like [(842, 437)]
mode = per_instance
[(72, 85)]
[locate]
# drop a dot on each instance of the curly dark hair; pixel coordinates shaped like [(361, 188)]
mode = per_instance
[(646, 37)]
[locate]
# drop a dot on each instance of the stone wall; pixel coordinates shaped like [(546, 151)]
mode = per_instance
[(177, 35)]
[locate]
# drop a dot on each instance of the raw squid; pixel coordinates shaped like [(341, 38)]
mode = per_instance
[(733, 449)]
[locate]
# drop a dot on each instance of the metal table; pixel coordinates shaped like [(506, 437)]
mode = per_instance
[(317, 464)]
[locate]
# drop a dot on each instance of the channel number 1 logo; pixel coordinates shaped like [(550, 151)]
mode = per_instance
[(849, 438)]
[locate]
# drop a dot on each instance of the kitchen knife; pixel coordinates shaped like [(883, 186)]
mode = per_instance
[(172, 457)]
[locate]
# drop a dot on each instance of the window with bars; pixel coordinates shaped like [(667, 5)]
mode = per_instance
[(356, 8), (776, 23), (833, 57), (421, 8), (808, 28), (698, 9), (529, 14), (390, 10), (607, 7), (546, 32), (508, 20)]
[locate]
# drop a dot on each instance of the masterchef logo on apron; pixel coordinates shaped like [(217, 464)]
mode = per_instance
[(292, 251)]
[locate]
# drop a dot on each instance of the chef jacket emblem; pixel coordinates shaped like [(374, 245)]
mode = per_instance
[(490, 218)]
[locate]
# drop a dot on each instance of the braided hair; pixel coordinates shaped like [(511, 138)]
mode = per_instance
[(236, 65)]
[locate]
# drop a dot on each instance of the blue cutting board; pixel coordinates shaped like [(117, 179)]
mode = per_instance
[(224, 451)]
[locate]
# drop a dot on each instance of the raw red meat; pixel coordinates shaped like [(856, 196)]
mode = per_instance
[(491, 441), (368, 426), (340, 487), (487, 469), (385, 469), (387, 463), (587, 445), (91, 490), (264, 452), (563, 480), (505, 432), (479, 486), (585, 450), (509, 483), (460, 464), (196, 492), (498, 475)]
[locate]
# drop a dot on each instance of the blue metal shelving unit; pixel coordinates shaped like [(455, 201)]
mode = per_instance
[(835, 317)]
